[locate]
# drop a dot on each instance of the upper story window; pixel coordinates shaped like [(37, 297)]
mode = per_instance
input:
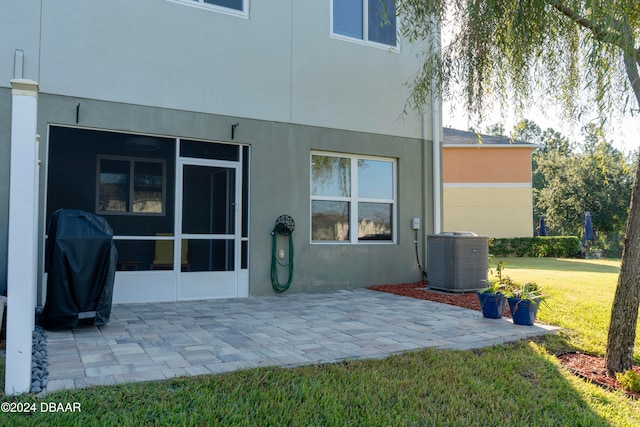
[(234, 7), (368, 20), (230, 4)]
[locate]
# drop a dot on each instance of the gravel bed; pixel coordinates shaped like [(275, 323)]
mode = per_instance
[(39, 362)]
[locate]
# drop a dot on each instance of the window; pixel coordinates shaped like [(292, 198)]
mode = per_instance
[(130, 186), (234, 7), (352, 193), (229, 4), (368, 20)]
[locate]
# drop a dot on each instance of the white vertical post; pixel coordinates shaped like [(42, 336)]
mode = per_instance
[(436, 130), (23, 235)]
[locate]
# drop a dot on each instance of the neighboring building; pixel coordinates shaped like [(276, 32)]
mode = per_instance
[(487, 184), (191, 125)]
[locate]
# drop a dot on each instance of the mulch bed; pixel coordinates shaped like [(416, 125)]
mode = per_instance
[(418, 290), (592, 368), (585, 366)]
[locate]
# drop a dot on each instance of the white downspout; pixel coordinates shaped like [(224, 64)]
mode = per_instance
[(435, 122), (437, 172), (436, 130)]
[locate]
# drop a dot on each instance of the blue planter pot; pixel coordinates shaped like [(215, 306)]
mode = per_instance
[(523, 312), (492, 305)]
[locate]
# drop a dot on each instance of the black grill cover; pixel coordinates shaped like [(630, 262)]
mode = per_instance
[(81, 261)]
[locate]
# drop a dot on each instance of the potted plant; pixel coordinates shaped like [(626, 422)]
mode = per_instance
[(492, 298), (524, 301)]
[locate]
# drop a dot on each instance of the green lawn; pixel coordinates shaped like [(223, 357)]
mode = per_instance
[(580, 296), (515, 384)]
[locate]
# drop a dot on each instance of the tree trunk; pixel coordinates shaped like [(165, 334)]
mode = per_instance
[(624, 312)]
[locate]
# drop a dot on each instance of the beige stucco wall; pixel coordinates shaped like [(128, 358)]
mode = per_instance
[(495, 211), (487, 190)]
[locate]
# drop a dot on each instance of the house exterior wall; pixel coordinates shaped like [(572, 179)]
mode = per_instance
[(498, 211), (487, 164), (277, 190), (487, 190), (280, 64), (164, 68), (19, 29), (5, 159)]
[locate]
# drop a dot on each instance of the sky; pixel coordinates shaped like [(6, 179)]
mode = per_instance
[(625, 133)]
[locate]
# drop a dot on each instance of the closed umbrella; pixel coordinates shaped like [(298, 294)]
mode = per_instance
[(588, 233), (542, 230), (588, 227)]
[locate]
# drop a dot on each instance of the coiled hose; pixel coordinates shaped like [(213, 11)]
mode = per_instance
[(284, 226)]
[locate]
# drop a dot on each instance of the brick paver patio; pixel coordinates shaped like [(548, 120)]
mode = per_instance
[(156, 341)]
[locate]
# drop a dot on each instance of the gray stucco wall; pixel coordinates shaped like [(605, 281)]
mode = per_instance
[(20, 29), (279, 180), (278, 189), (5, 153)]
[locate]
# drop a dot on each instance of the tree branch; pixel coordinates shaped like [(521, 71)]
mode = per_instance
[(599, 32), (620, 36), (631, 61)]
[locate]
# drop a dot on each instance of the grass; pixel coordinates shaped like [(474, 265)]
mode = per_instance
[(580, 296), (516, 384)]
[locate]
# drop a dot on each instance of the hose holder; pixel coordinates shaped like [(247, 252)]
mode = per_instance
[(284, 226)]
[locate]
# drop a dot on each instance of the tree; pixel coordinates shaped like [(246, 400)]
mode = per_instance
[(496, 129), (553, 148), (548, 140), (595, 179), (581, 52)]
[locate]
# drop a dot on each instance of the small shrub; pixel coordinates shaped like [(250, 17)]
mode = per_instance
[(630, 381)]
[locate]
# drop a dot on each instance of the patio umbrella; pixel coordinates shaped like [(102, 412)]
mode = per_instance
[(542, 229), (588, 226)]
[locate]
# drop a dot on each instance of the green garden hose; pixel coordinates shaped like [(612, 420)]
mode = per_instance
[(284, 226)]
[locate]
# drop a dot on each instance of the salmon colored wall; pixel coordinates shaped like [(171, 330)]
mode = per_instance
[(486, 164)]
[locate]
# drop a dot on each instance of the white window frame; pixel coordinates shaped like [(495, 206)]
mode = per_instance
[(353, 199), (132, 161), (244, 13), (365, 30)]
